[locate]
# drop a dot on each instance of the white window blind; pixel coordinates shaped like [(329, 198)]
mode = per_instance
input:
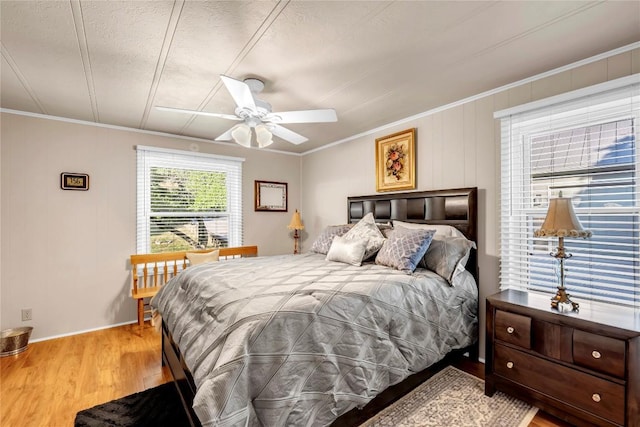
[(187, 200), (584, 146)]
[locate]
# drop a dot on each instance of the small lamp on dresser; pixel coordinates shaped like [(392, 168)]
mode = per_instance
[(561, 221), (296, 225)]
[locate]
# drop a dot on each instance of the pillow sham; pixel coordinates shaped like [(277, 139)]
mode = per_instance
[(441, 230), (366, 229), (447, 256), (196, 258), (349, 251), (404, 248), (323, 242)]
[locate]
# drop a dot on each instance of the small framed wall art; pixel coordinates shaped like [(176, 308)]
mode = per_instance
[(396, 161), (74, 181), (271, 196)]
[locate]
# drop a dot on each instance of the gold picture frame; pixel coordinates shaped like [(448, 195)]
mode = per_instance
[(396, 161)]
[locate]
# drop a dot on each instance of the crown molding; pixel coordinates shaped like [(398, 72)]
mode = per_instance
[(558, 70)]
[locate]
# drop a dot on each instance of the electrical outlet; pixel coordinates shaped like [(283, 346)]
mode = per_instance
[(27, 314)]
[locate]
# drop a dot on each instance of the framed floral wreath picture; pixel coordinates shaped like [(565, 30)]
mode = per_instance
[(396, 161)]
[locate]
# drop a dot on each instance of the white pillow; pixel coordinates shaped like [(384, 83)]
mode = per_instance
[(349, 251), (441, 230), (196, 258), (366, 229)]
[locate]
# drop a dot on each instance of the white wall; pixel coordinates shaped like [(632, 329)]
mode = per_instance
[(64, 253), (457, 147)]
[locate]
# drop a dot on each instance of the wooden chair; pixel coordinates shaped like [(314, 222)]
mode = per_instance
[(157, 269)]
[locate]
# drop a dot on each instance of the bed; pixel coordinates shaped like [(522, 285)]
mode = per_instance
[(299, 340)]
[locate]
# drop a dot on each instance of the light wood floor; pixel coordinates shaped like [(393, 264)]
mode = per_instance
[(52, 380)]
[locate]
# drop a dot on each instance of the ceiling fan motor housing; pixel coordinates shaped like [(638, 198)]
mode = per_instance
[(255, 85)]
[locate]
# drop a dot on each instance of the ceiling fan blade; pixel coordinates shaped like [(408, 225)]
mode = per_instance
[(287, 135), (199, 113), (240, 93), (226, 136), (303, 116)]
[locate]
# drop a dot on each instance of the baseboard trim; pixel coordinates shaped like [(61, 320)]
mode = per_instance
[(84, 331)]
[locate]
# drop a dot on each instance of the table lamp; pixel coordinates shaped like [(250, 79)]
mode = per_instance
[(295, 225), (561, 222)]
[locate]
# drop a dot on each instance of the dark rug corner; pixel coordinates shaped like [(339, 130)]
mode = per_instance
[(159, 406)]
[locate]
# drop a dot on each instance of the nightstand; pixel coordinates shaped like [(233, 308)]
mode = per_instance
[(583, 367)]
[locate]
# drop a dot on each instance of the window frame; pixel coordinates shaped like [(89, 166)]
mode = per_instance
[(518, 209), (151, 157)]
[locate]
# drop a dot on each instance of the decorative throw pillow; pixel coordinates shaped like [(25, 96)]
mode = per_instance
[(384, 226), (447, 255), (404, 248), (387, 232), (347, 251), (441, 230), (196, 258), (366, 229), (323, 242)]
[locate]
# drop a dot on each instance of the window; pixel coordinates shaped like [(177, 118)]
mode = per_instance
[(187, 200), (583, 144)]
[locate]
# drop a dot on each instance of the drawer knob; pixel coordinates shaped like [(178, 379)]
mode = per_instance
[(596, 397), (510, 330), (510, 365), (596, 354)]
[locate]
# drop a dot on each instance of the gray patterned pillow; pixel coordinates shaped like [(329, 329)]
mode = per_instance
[(447, 255), (366, 229), (386, 232), (323, 242), (404, 249)]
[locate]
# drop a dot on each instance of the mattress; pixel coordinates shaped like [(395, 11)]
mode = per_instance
[(298, 340)]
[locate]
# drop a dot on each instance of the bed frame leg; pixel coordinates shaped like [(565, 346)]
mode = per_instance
[(474, 351)]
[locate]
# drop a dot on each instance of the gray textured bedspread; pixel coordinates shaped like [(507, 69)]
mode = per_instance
[(297, 340)]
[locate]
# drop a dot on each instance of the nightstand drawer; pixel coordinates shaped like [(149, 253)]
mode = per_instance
[(595, 395), (603, 354), (513, 328)]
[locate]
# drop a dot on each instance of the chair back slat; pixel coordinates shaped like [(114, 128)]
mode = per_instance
[(168, 265), (158, 269)]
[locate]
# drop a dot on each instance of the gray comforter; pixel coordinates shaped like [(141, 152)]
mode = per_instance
[(297, 340)]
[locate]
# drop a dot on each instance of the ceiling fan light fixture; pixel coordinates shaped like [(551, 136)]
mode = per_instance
[(256, 113), (263, 136), (242, 135)]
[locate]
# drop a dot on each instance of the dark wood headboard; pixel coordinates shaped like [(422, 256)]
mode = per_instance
[(457, 207)]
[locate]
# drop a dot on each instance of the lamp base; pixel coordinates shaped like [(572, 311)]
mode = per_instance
[(562, 297), (296, 245)]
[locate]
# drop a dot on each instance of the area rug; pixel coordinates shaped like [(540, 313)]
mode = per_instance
[(454, 398), (449, 398), (159, 407)]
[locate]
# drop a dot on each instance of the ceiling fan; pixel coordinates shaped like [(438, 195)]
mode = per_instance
[(256, 114)]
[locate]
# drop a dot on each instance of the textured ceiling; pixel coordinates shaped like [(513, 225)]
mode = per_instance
[(112, 62)]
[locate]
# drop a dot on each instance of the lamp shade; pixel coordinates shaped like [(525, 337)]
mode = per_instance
[(561, 221), (296, 222)]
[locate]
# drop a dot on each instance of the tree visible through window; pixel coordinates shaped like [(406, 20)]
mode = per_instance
[(188, 210), (187, 202)]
